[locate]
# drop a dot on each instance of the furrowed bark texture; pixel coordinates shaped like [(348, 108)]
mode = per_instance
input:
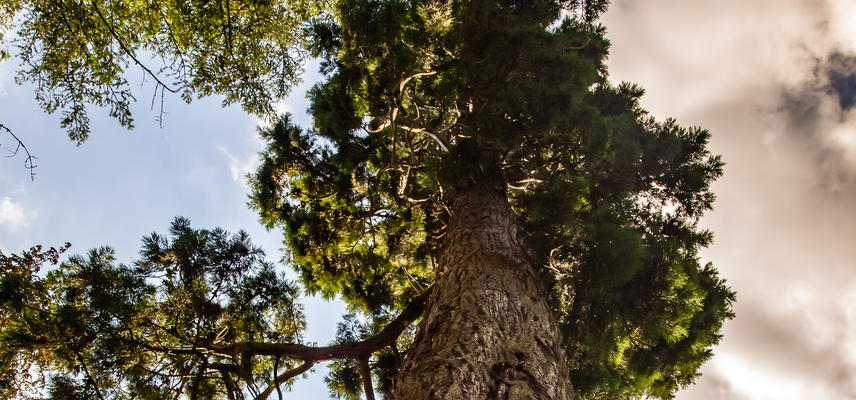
[(488, 331)]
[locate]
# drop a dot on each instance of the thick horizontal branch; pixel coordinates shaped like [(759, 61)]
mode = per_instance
[(313, 354), (309, 354)]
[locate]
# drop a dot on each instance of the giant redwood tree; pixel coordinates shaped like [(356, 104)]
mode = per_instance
[(502, 220)]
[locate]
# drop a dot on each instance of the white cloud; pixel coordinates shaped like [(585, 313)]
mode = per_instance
[(754, 73), (13, 215), (240, 166), (843, 23), (705, 51), (749, 379)]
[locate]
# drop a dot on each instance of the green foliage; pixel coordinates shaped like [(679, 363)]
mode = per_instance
[(97, 328), (424, 99), (80, 53), (346, 237), (639, 312)]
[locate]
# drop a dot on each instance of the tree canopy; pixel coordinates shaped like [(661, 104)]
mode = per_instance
[(421, 100), (80, 54)]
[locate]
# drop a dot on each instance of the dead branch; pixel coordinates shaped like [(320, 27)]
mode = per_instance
[(29, 161)]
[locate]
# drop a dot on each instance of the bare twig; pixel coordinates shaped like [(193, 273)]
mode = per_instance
[(29, 161)]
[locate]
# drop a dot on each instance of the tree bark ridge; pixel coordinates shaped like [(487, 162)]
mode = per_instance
[(488, 331)]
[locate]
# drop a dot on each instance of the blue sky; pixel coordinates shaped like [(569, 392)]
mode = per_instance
[(121, 185), (756, 73)]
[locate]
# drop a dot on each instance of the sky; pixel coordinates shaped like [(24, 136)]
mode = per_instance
[(773, 80)]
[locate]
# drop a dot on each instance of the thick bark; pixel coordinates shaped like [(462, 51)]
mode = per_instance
[(488, 331)]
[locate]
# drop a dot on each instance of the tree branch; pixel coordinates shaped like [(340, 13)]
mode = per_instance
[(128, 51), (428, 133), (284, 377), (366, 373), (193, 393), (230, 385), (404, 81), (29, 161), (275, 379), (313, 354), (88, 375), (309, 354)]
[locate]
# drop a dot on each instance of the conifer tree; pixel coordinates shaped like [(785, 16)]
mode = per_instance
[(501, 219)]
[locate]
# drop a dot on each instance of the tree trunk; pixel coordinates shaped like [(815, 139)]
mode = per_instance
[(487, 331)]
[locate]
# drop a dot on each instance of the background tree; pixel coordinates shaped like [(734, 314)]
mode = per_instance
[(471, 165), (98, 329)]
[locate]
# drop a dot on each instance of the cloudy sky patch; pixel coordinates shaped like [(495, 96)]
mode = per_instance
[(5, 76), (13, 215), (240, 165), (775, 82)]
